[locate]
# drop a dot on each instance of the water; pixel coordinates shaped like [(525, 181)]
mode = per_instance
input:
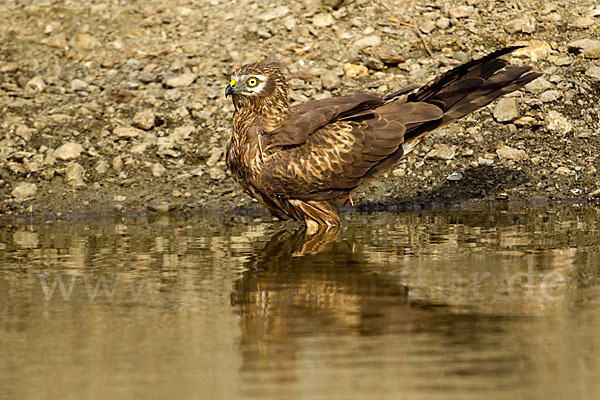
[(448, 304)]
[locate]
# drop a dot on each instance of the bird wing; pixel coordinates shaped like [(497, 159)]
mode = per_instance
[(335, 158), (308, 117)]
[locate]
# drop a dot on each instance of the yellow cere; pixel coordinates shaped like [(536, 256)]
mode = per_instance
[(232, 83)]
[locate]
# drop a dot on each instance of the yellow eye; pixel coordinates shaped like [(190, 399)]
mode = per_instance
[(252, 82)]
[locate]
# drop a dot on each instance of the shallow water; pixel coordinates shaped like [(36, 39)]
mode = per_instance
[(448, 304)]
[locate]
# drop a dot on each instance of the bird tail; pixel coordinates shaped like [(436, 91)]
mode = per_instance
[(469, 87)]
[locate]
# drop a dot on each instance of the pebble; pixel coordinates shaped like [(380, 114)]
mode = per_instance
[(24, 132), (442, 23), (557, 123), (78, 84), (427, 26), (74, 174), (564, 171), (539, 85), (593, 72), (368, 41), (24, 190), (322, 20), (127, 132), (182, 133), (525, 24), (455, 176), (289, 23), (144, 119), (182, 80), (354, 70), (68, 151), (510, 153), (506, 110), (216, 173), (583, 22), (550, 95), (84, 42), (461, 11), (595, 193), (37, 83), (117, 163), (536, 50), (157, 170), (330, 80), (589, 47), (485, 161), (101, 167), (161, 207), (441, 152), (274, 13)]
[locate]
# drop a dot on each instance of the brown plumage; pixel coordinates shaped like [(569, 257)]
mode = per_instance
[(299, 160)]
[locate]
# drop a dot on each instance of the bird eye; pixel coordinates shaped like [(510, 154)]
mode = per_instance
[(252, 82)]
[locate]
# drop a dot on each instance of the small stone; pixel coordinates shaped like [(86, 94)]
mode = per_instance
[(564, 171), (461, 11), (536, 50), (176, 193), (539, 85), (68, 151), (595, 193), (24, 190), (117, 163), (455, 176), (589, 47), (144, 119), (427, 26), (78, 84), (139, 148), (390, 57), (443, 23), (485, 161), (368, 41), (101, 167), (161, 207), (561, 61), (182, 133), (322, 20), (24, 132), (289, 23), (74, 174), (550, 95), (216, 173), (127, 132), (583, 22), (441, 152), (37, 83), (509, 153), (330, 80), (558, 123), (9, 68), (157, 170), (354, 70), (274, 13), (120, 198), (84, 42), (593, 72), (506, 110), (182, 80), (375, 64), (525, 24), (525, 121)]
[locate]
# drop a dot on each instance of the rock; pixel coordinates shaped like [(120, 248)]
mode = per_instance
[(442, 23), (506, 110), (561, 61), (161, 207), (390, 56), (485, 161), (536, 50), (8, 68), (330, 80), (593, 72), (557, 123), (441, 152), (368, 41), (455, 176), (139, 148), (525, 121), (550, 95), (216, 173), (589, 47), (119, 198), (84, 42), (427, 26), (215, 155), (157, 170), (461, 11), (74, 174), (564, 171), (182, 133), (354, 70), (583, 22), (595, 193), (24, 190), (525, 24), (117, 163), (182, 80), (289, 23), (322, 20), (37, 83), (101, 167), (24, 132), (509, 153), (144, 119), (127, 132), (375, 64), (539, 85), (78, 84), (68, 151), (274, 13)]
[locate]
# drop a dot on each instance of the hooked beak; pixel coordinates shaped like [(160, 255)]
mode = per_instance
[(230, 89)]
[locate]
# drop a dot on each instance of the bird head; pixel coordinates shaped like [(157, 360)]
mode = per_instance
[(256, 83)]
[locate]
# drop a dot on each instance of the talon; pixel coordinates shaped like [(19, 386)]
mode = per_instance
[(350, 200)]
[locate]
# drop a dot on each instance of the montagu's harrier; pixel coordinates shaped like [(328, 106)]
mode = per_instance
[(298, 160)]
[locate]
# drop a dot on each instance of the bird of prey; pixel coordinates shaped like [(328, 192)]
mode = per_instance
[(298, 160)]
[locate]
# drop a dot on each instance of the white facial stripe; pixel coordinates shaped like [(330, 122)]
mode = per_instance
[(256, 89)]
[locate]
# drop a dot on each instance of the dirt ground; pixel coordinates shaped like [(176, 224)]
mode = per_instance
[(116, 106)]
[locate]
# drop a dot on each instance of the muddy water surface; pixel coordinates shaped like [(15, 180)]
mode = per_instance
[(449, 304)]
